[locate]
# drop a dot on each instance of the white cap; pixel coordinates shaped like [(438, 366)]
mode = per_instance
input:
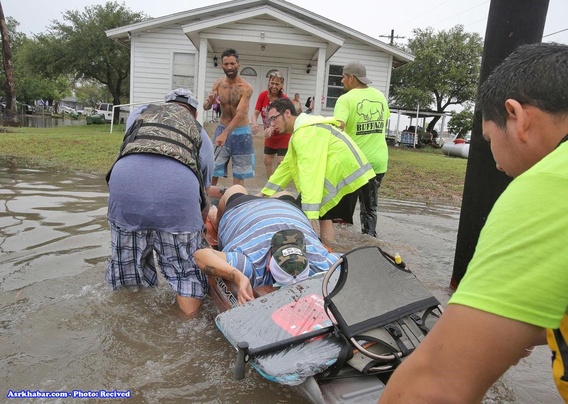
[(182, 95)]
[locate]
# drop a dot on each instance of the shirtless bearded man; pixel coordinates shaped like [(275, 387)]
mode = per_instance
[(233, 138)]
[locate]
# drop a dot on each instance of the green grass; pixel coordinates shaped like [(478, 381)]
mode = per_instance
[(423, 175), (79, 148)]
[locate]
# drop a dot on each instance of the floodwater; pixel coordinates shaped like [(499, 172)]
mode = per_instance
[(62, 328), (46, 121)]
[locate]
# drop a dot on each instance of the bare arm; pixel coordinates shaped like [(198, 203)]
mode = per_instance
[(214, 263), (341, 124), (255, 116), (210, 100), (463, 355)]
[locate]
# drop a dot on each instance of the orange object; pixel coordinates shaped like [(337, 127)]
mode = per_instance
[(211, 233)]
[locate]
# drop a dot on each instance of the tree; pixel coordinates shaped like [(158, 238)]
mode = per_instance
[(79, 46), (461, 122), (445, 70), (89, 92), (34, 82), (30, 84), (10, 115)]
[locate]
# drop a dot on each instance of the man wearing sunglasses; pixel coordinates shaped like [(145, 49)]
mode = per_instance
[(326, 165)]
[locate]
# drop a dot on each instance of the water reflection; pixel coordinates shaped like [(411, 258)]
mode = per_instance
[(62, 328), (46, 121)]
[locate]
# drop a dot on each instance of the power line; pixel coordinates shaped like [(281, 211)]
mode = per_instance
[(554, 33), (415, 18), (463, 12), (475, 22)]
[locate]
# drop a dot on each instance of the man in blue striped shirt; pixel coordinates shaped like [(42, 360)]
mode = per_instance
[(263, 241)]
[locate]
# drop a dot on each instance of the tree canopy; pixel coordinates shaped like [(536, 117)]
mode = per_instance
[(78, 47), (445, 70), (461, 122), (31, 85)]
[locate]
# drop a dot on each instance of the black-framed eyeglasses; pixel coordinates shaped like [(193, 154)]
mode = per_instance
[(275, 117)]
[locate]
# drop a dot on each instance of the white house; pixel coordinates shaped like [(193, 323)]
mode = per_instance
[(181, 50)]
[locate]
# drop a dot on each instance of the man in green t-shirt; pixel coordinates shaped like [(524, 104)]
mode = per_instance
[(363, 113), (514, 294)]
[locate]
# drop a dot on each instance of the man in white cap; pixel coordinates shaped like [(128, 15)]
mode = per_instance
[(363, 112), (263, 241), (157, 199)]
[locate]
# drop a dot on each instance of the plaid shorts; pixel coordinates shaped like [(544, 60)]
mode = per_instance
[(132, 260)]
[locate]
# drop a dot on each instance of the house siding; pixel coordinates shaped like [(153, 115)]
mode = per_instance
[(275, 32), (152, 57), (377, 63)]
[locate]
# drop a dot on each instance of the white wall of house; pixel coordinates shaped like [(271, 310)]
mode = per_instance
[(153, 55), (377, 63), (152, 62)]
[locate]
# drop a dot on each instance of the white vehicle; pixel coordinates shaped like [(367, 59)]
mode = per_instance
[(68, 110), (106, 110)]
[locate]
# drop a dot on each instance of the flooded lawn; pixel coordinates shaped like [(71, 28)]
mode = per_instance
[(62, 328)]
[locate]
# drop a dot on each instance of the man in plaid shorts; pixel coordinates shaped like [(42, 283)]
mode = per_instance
[(157, 199)]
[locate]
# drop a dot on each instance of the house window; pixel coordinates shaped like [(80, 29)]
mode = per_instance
[(334, 86), (183, 74), (248, 71)]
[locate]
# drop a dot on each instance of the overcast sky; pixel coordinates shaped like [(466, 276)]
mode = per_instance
[(375, 21)]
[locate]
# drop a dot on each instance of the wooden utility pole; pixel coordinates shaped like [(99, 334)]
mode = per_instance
[(392, 37), (510, 24), (10, 113)]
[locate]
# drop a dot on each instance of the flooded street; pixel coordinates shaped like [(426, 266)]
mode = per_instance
[(45, 120), (62, 328)]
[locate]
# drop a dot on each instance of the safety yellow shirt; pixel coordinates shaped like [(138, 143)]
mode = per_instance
[(324, 163)]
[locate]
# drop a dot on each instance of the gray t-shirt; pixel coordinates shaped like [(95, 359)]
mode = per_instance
[(153, 192)]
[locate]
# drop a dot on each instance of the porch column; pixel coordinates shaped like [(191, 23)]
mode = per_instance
[(201, 73), (320, 77)]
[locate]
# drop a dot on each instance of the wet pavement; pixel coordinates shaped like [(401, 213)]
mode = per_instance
[(63, 328)]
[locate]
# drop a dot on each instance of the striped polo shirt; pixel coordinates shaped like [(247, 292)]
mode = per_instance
[(246, 230)]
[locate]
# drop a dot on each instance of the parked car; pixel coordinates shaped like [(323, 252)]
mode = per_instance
[(106, 110), (28, 109), (68, 110)]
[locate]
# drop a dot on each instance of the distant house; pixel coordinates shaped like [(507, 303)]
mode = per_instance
[(180, 50), (69, 102)]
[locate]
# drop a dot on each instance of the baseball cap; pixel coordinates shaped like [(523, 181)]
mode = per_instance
[(182, 95), (289, 263), (358, 70)]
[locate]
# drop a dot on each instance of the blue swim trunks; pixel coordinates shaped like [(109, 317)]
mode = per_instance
[(239, 147)]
